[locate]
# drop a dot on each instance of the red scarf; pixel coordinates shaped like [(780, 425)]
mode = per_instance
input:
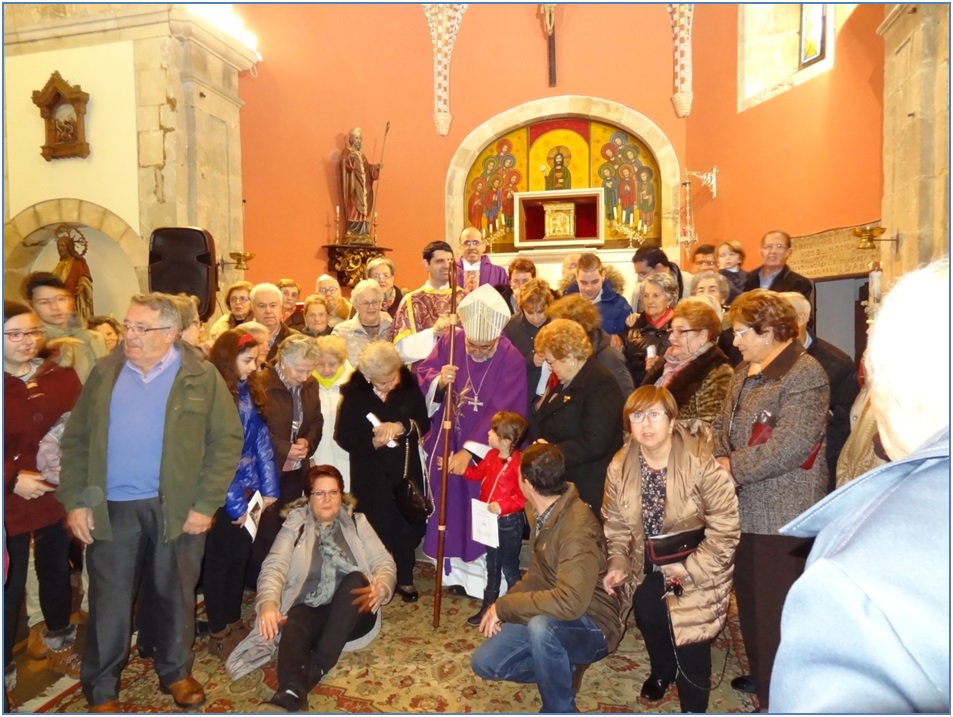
[(663, 319)]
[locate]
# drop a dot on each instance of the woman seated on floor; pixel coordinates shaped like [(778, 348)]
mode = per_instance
[(320, 590)]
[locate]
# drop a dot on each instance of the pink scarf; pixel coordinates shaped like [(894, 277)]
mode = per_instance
[(673, 366)]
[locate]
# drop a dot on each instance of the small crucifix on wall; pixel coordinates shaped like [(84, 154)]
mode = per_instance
[(548, 11)]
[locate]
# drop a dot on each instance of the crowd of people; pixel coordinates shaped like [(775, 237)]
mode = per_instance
[(657, 455)]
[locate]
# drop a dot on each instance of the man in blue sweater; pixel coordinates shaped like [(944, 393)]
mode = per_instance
[(148, 454)]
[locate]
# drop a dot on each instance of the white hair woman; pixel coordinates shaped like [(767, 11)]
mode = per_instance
[(333, 370), (383, 386), (295, 424), (369, 324), (647, 340), (382, 271)]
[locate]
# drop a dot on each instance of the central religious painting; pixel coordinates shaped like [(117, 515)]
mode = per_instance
[(562, 154)]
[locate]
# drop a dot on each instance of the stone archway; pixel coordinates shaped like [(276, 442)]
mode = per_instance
[(566, 105), (19, 254)]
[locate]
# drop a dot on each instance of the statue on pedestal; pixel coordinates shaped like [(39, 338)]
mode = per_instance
[(357, 177)]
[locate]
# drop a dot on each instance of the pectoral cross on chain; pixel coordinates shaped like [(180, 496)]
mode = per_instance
[(475, 402)]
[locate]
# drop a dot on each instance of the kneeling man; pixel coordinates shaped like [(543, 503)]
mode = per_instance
[(558, 618)]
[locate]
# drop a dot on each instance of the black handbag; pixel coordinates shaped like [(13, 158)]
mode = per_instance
[(674, 547), (415, 505)]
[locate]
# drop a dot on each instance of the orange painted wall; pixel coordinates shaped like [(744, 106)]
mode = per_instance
[(804, 161), (328, 68), (807, 160)]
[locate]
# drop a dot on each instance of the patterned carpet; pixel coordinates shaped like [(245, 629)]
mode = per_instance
[(412, 667)]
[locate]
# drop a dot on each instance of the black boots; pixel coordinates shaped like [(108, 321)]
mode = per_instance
[(488, 599)]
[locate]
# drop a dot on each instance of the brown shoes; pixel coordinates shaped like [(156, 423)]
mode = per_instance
[(65, 662), (36, 649), (187, 693), (110, 707)]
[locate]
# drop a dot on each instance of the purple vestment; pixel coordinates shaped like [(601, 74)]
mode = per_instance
[(490, 274), (495, 385)]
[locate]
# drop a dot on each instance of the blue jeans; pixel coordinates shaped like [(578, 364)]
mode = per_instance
[(544, 652), (505, 560)]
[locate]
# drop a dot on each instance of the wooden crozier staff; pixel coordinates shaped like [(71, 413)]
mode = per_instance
[(445, 467)]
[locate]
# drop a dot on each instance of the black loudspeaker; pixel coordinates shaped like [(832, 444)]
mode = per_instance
[(182, 259)]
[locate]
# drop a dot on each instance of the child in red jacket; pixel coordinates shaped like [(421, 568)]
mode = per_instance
[(499, 472)]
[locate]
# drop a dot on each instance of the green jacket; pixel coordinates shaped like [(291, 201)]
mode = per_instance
[(201, 444)]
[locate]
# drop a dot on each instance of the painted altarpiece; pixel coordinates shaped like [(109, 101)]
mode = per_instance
[(560, 154)]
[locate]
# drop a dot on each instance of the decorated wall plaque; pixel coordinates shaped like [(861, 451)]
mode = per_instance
[(63, 109)]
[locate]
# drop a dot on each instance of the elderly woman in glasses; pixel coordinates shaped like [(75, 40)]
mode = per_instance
[(295, 423), (382, 455), (339, 308), (693, 368), (667, 481), (768, 435), (320, 592), (370, 323), (239, 307), (647, 340), (382, 271)]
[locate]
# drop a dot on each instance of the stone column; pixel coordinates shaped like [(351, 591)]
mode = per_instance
[(916, 147)]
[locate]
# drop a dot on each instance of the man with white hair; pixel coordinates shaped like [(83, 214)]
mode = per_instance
[(866, 628), (339, 308), (841, 375), (370, 323), (488, 375), (266, 310)]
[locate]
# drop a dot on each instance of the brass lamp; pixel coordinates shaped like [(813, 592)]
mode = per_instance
[(868, 236)]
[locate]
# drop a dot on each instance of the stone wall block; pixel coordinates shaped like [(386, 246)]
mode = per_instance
[(150, 148), (91, 214), (151, 85), (135, 247), (147, 117), (69, 209), (27, 222), (113, 226), (48, 212)]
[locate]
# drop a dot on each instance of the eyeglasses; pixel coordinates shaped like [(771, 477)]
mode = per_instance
[(680, 332), (18, 336), (773, 247), (369, 304), (705, 262), (472, 242), (380, 277), (329, 290), (238, 300), (131, 330), (739, 334), (322, 494), (654, 416)]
